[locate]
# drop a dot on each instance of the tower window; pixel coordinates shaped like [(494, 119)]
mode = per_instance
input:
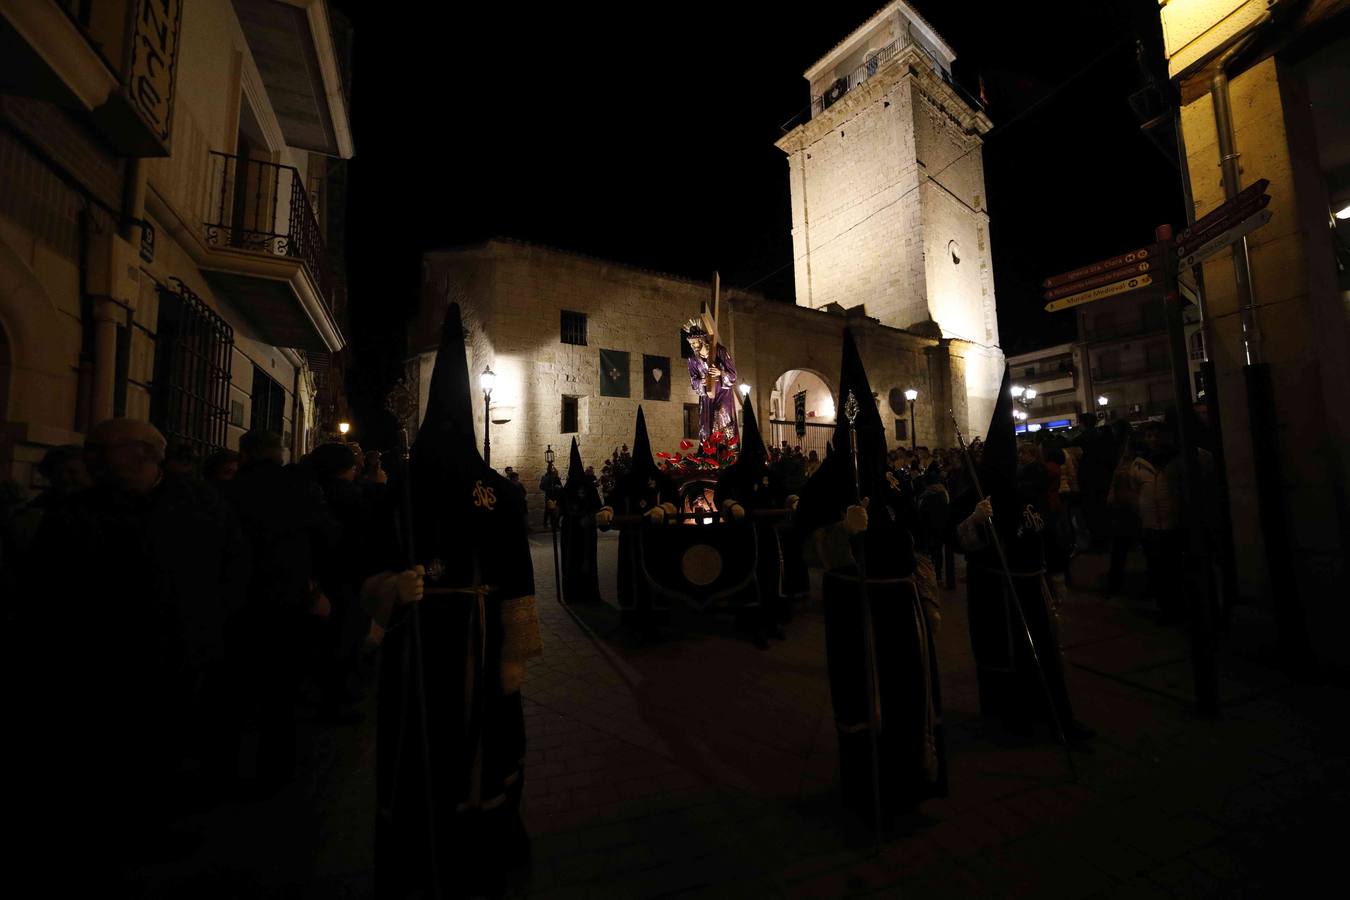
[(573, 328)]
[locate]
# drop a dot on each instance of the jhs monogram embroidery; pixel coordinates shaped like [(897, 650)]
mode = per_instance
[(1031, 521), (484, 496)]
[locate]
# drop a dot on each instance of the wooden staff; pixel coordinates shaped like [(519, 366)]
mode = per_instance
[(869, 630), (710, 384), (1016, 602)]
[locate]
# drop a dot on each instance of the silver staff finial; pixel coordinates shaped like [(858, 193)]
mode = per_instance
[(851, 408)]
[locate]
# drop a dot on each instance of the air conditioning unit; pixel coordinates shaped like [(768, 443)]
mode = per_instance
[(836, 90)]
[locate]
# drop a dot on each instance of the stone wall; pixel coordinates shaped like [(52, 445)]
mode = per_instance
[(512, 296)]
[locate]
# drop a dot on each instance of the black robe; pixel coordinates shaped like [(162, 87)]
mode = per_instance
[(579, 501), (911, 754), (751, 483), (643, 487), (1009, 686)]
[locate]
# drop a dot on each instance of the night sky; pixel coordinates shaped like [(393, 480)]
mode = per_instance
[(647, 135)]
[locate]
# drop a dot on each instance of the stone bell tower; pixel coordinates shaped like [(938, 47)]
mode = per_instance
[(888, 202)]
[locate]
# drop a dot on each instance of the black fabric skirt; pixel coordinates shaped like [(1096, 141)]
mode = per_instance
[(912, 760), (449, 753), (1010, 687)]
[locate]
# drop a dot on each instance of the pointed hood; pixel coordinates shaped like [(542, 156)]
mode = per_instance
[(998, 461), (576, 470), (643, 461), (461, 507), (871, 433), (643, 482), (830, 489), (752, 442), (449, 405), (749, 480), (578, 490)]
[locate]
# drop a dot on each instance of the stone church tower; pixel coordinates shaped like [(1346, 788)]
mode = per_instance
[(888, 204)]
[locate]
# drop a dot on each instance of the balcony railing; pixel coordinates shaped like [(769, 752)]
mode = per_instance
[(870, 67), (881, 58), (1155, 367), (263, 207)]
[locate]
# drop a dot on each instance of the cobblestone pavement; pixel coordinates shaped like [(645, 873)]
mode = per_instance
[(701, 766)]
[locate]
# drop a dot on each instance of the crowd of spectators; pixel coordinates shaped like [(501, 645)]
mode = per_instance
[(181, 612)]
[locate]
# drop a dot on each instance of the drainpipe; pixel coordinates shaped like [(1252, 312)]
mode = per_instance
[(85, 383), (1228, 160), (1290, 614)]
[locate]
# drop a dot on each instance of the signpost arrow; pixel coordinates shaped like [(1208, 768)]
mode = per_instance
[(1222, 211), (1129, 271), (1218, 226), (1097, 268), (1231, 236), (1100, 293)]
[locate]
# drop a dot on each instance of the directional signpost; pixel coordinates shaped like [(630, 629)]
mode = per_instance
[(1117, 275), (1156, 268)]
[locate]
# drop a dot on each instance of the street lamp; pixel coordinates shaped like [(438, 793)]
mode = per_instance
[(911, 395), (1102, 401), (1030, 394), (343, 428), (487, 380), (1018, 391)]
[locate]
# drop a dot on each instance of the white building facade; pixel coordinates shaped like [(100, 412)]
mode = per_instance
[(165, 171)]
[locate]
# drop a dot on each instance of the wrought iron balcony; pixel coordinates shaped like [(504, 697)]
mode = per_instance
[(263, 207)]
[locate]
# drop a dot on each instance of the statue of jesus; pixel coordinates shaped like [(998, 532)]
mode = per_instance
[(712, 375)]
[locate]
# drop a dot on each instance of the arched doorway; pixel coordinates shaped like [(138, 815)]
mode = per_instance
[(801, 411)]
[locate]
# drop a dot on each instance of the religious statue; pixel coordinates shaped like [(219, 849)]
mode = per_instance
[(712, 375)]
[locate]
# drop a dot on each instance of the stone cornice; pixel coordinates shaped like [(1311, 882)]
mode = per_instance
[(910, 62), (55, 38)]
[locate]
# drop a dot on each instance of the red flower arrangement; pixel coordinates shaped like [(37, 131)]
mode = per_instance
[(717, 452)]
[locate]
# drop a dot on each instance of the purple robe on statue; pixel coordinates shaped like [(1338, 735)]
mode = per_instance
[(716, 413)]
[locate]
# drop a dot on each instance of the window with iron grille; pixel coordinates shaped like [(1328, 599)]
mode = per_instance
[(190, 396), (269, 403), (573, 328), (569, 415)]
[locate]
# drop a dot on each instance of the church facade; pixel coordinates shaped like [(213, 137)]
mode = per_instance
[(890, 239)]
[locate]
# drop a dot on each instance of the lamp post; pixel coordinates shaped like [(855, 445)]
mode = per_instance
[(911, 395), (487, 380)]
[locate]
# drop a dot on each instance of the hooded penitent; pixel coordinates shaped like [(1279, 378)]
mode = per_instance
[(911, 759), (832, 488), (748, 480), (579, 493), (1009, 685), (451, 735), (580, 500), (644, 485), (1015, 516)]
